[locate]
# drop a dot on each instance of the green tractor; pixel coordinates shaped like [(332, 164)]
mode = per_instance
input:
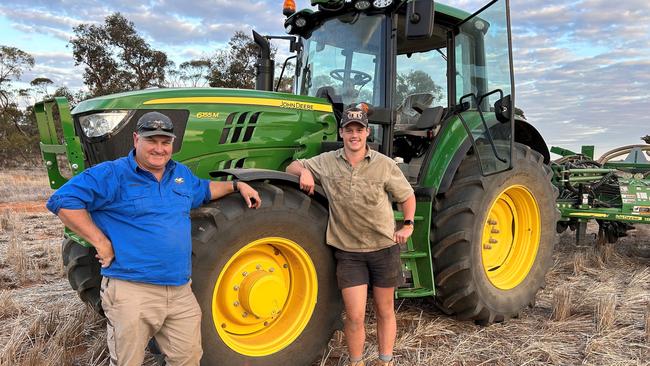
[(441, 83)]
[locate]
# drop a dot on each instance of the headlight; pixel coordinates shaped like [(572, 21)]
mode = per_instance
[(99, 124)]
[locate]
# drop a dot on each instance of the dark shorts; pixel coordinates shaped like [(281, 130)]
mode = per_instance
[(382, 268)]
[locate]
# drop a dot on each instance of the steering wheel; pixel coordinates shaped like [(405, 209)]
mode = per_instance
[(356, 77)]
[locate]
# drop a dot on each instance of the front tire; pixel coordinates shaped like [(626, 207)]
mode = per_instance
[(83, 272), (265, 279), (493, 238)]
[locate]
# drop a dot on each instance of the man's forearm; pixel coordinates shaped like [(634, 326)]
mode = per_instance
[(219, 189), (81, 223), (408, 208), (295, 168)]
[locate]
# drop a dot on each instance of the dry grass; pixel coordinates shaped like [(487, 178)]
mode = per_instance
[(24, 185), (561, 303)]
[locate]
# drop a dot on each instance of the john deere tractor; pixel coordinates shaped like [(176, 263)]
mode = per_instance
[(441, 83)]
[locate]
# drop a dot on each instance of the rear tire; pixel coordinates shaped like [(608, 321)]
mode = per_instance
[(493, 238), (83, 271), (281, 244)]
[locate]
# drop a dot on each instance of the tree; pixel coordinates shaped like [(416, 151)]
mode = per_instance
[(234, 67), (116, 58), (13, 63), (413, 82), (41, 84), (195, 72)]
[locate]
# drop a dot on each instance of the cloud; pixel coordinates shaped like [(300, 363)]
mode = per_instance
[(581, 67)]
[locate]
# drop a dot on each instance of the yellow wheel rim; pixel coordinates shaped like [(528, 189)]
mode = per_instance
[(510, 239), (264, 296)]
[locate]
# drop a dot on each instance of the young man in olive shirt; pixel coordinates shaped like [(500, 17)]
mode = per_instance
[(357, 182)]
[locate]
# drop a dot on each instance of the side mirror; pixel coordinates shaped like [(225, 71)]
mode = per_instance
[(419, 19)]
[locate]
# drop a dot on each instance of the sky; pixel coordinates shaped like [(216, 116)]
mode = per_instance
[(582, 67)]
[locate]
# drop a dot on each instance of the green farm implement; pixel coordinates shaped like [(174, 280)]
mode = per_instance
[(614, 193), (486, 211)]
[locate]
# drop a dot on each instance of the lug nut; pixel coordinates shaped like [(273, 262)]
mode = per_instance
[(487, 246), (492, 222), (493, 241), (266, 324), (244, 314), (495, 231), (244, 274), (236, 287), (271, 269), (236, 303), (285, 266), (223, 325), (258, 267)]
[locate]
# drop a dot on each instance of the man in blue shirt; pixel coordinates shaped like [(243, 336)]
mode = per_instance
[(135, 211)]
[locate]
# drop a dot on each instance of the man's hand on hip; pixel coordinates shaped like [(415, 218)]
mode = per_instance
[(105, 253), (403, 234)]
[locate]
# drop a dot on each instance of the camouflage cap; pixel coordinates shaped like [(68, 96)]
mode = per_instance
[(354, 115)]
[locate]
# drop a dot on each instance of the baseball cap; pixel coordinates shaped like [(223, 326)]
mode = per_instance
[(155, 124), (354, 115)]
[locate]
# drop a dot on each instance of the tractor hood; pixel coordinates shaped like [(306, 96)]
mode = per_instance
[(215, 128)]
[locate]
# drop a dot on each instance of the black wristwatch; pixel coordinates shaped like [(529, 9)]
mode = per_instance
[(408, 223), (234, 185)]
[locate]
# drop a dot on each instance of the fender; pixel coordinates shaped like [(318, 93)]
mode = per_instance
[(256, 175), (525, 134)]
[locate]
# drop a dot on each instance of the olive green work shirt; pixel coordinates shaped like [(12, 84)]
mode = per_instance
[(361, 214)]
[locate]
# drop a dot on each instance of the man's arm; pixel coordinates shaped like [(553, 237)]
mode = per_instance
[(220, 189), (306, 178), (408, 208), (81, 223)]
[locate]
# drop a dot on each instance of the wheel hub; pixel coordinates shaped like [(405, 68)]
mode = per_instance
[(511, 235), (263, 294)]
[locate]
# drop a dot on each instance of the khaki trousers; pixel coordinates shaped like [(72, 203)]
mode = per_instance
[(137, 311)]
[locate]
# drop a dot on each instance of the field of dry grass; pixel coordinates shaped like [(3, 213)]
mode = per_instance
[(595, 309)]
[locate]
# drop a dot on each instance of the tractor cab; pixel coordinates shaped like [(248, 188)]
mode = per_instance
[(396, 56)]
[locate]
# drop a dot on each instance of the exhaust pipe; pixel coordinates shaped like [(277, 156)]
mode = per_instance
[(264, 66)]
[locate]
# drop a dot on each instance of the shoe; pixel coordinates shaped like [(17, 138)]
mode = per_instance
[(379, 362)]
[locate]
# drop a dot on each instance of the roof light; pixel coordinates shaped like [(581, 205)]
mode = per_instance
[(362, 4), (381, 3), (289, 7)]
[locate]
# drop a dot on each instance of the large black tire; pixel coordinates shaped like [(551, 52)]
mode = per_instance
[(464, 286), (83, 272), (219, 232)]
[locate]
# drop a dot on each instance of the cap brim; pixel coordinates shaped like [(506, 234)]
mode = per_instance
[(354, 121), (155, 133)]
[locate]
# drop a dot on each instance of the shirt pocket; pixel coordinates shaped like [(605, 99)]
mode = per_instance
[(136, 200), (182, 199), (370, 192)]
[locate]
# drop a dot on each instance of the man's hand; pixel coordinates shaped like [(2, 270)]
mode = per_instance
[(307, 181), (251, 196), (403, 234), (105, 253)]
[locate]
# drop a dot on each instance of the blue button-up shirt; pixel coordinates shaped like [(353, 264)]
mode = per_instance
[(147, 221)]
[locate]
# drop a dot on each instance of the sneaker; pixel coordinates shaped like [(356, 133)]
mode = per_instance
[(379, 362)]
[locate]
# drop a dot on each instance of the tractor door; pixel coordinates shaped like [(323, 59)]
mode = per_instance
[(483, 90)]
